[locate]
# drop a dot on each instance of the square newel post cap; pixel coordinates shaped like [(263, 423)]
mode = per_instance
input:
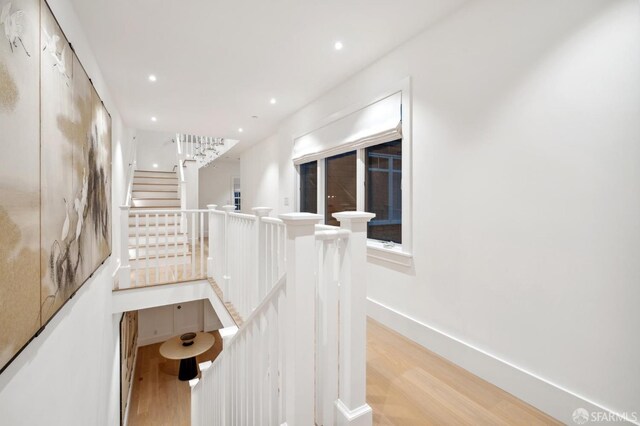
[(353, 217), (262, 211), (212, 206), (228, 208), (300, 219)]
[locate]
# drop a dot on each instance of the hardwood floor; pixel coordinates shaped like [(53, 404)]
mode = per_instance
[(406, 385), (158, 397), (409, 385)]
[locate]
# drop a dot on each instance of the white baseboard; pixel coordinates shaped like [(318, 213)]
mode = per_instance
[(150, 340), (550, 398)]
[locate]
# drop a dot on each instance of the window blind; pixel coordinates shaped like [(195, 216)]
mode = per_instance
[(377, 123)]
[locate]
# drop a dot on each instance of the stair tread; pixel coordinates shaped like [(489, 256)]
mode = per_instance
[(228, 305), (154, 177), (160, 256), (147, 183), (176, 208), (167, 199), (154, 190)]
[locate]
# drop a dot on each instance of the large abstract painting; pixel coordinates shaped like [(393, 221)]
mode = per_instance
[(55, 176)]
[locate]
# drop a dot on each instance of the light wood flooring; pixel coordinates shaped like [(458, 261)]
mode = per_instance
[(406, 385), (158, 398), (410, 385)]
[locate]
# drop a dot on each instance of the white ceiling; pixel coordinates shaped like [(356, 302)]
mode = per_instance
[(219, 62)]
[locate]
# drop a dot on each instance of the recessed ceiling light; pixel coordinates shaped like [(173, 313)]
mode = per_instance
[(240, 130), (152, 78), (155, 165), (154, 119), (338, 45), (272, 101)]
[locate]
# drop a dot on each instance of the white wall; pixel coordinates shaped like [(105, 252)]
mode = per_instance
[(259, 175), (155, 148), (526, 157), (163, 322), (215, 182), (69, 374)]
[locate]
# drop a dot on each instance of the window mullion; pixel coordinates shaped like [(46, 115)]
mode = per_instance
[(321, 188), (360, 177)]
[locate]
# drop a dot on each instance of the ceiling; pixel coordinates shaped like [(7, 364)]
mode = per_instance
[(218, 63)]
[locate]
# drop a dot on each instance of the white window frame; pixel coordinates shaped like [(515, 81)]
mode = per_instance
[(399, 254)]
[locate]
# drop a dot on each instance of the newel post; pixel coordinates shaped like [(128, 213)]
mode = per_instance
[(300, 318), (225, 290), (211, 236), (352, 407), (124, 273), (261, 265)]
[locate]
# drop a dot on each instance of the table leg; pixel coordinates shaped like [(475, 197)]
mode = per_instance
[(188, 369)]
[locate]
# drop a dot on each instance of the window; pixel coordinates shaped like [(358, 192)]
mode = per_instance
[(237, 196), (340, 184), (359, 158), (309, 187), (383, 191)]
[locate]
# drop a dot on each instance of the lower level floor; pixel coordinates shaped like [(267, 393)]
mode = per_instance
[(406, 385)]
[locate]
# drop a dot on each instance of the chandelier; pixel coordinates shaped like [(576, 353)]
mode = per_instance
[(203, 149)]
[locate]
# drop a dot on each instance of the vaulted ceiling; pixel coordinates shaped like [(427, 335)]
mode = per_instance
[(218, 63)]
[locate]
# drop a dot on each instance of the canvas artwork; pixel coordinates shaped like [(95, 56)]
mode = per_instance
[(20, 254), (55, 181)]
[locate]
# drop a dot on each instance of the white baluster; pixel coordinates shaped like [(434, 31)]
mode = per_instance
[(226, 277), (124, 272), (138, 261), (193, 231), (166, 247), (202, 270), (175, 246)]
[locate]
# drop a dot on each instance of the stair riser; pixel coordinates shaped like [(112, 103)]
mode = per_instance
[(161, 240), (160, 187), (155, 194), (155, 203), (155, 180), (141, 173)]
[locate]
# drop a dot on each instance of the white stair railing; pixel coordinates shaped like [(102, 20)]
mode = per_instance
[(292, 361), (243, 385), (163, 246), (247, 255), (181, 157), (124, 267)]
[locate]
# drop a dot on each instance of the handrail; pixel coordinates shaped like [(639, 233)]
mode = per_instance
[(167, 211), (242, 216), (258, 310), (273, 220), (130, 172), (332, 234)]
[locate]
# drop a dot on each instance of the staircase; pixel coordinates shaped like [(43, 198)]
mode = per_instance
[(157, 190), (152, 237)]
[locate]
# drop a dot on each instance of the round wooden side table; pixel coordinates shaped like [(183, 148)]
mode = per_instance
[(185, 348)]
